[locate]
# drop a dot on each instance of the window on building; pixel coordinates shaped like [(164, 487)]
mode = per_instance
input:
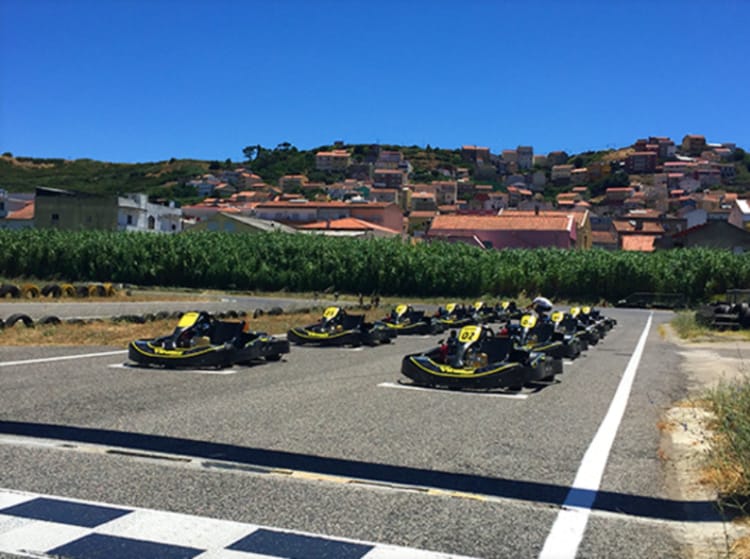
[(130, 220), (151, 222), (55, 219)]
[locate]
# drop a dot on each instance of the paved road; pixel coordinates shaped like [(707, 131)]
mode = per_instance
[(105, 309), (326, 442)]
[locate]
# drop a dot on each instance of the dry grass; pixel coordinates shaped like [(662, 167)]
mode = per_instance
[(110, 333), (740, 548), (120, 296)]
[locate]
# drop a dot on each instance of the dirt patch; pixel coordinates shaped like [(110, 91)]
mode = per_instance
[(686, 439)]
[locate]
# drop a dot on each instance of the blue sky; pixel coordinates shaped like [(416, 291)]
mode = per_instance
[(146, 80)]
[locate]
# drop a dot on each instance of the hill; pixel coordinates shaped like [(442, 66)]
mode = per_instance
[(167, 179), (164, 179)]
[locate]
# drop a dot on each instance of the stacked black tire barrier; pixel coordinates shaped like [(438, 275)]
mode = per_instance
[(19, 317), (54, 290), (724, 316), (51, 320)]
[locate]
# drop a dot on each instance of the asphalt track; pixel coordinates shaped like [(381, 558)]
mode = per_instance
[(328, 442)]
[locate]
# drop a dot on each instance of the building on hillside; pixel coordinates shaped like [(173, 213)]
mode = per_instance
[(297, 213), (136, 213), (228, 222), (638, 235), (388, 178), (641, 162), (501, 232), (20, 218), (418, 223), (561, 174), (739, 215), (335, 160), (525, 157), (712, 234), (292, 183), (475, 154), (348, 227), (423, 202), (65, 209), (693, 144), (580, 216)]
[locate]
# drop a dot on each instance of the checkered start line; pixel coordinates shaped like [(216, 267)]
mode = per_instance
[(38, 526)]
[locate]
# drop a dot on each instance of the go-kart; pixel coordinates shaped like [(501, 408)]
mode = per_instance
[(533, 334), (604, 324), (508, 310), (483, 313), (404, 319), (201, 341), (566, 330), (591, 331), (454, 315), (476, 358), (338, 327)]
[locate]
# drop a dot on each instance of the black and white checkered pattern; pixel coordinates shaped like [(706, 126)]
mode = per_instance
[(39, 525)]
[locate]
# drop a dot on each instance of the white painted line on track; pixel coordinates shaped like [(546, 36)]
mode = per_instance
[(567, 531), (179, 371), (61, 358), (454, 392)]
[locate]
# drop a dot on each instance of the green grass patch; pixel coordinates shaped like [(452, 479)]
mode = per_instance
[(687, 328)]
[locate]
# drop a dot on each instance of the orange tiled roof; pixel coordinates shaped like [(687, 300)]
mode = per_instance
[(348, 224), (27, 212), (423, 214), (604, 237), (628, 226), (641, 243), (644, 213), (502, 222), (544, 213), (319, 205)]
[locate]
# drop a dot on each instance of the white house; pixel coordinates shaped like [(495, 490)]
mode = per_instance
[(136, 213), (739, 215)]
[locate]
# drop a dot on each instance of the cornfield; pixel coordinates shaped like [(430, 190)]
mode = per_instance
[(306, 263)]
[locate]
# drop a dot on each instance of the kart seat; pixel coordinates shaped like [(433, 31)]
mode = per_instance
[(497, 349), (352, 321), (225, 331), (544, 332)]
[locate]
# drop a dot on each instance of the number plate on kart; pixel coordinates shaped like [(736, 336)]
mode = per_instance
[(469, 334)]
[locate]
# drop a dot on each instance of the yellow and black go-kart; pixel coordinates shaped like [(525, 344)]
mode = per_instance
[(337, 327), (476, 358), (454, 315), (200, 341), (404, 320), (566, 330), (483, 313), (592, 332), (594, 316), (507, 310), (533, 334)]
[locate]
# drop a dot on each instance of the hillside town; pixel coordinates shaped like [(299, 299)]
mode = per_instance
[(653, 195)]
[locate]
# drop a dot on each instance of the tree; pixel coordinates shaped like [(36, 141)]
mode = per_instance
[(251, 152)]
